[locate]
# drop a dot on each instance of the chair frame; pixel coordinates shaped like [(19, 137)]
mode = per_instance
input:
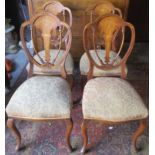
[(112, 10), (45, 29), (60, 9), (84, 125), (106, 32)]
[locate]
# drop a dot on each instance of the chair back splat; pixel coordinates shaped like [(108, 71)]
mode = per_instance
[(51, 32), (105, 29)]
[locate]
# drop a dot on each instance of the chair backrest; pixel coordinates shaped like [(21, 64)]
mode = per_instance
[(106, 29), (50, 29), (103, 8), (57, 8)]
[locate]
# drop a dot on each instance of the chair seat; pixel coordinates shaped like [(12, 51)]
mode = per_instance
[(84, 64), (41, 97), (112, 99), (69, 65)]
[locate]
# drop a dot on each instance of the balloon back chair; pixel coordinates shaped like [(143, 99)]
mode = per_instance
[(55, 8), (110, 100), (98, 11), (43, 98), (105, 31)]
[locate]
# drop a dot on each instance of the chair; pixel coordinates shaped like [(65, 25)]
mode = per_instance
[(98, 11), (43, 98), (104, 31), (110, 100), (55, 8)]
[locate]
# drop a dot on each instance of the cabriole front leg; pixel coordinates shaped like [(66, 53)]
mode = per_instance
[(69, 127), (11, 125), (138, 133), (84, 135)]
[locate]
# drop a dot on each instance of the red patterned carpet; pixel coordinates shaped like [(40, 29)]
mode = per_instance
[(49, 138)]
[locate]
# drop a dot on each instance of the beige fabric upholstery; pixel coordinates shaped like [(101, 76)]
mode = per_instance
[(84, 64), (69, 65), (112, 99), (41, 97)]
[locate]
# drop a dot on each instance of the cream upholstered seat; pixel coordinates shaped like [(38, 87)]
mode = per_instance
[(69, 65), (112, 99), (41, 97), (84, 64)]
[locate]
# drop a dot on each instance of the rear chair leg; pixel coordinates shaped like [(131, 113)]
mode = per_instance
[(138, 133), (69, 126), (11, 125), (84, 135)]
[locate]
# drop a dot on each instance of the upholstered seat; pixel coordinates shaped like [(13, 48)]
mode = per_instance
[(41, 97), (69, 65), (112, 99), (84, 64)]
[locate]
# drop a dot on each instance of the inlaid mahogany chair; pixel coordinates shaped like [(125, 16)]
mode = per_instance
[(43, 98), (98, 11), (56, 8), (104, 31), (110, 100)]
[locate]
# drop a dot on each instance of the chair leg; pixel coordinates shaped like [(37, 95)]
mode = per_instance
[(11, 125), (84, 135), (70, 80), (69, 126), (138, 133)]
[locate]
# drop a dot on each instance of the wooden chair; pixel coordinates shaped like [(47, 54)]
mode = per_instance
[(104, 31), (43, 98), (55, 8), (110, 100)]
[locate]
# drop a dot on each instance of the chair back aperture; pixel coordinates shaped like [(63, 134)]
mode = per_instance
[(105, 29), (49, 28)]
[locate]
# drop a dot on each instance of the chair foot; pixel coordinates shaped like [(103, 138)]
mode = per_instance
[(138, 133), (69, 126), (11, 125), (85, 136)]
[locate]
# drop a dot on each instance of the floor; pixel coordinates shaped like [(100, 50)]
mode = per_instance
[(49, 138)]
